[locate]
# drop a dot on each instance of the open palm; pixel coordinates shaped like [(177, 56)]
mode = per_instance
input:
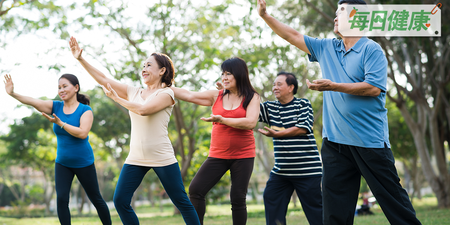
[(213, 118), (53, 119), (76, 50), (261, 7), (9, 85), (110, 92)]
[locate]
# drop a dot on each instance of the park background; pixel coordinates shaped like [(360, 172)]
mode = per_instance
[(118, 35)]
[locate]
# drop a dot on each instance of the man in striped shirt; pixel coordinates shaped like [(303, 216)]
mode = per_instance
[(297, 161)]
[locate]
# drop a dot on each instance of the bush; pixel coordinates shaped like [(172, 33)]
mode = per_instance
[(35, 193)]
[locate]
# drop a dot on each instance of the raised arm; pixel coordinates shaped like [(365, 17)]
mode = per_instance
[(160, 102), (205, 98), (246, 123), (40, 105), (98, 76), (281, 29)]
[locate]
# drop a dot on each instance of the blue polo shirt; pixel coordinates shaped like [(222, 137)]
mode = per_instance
[(349, 119), (71, 151)]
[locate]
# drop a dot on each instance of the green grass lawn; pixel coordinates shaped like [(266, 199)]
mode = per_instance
[(426, 209)]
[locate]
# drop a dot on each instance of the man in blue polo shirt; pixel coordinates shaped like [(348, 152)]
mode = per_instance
[(297, 160), (355, 127)]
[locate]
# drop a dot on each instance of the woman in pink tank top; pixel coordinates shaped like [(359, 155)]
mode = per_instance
[(235, 112)]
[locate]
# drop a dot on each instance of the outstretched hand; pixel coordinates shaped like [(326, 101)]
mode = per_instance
[(53, 119), (261, 7), (268, 131), (219, 85), (76, 50), (213, 118), (320, 85), (9, 85), (110, 92)]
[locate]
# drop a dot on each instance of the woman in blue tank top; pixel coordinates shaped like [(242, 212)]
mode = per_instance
[(72, 120)]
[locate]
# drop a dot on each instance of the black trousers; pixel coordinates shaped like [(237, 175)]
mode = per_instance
[(277, 196), (88, 179), (210, 173), (343, 166)]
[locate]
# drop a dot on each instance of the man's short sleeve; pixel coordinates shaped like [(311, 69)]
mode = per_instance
[(306, 117), (263, 113), (375, 67), (314, 46)]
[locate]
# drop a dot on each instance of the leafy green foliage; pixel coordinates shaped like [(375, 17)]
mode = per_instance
[(23, 16), (23, 137)]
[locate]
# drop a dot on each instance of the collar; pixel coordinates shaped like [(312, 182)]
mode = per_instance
[(340, 47), (288, 102)]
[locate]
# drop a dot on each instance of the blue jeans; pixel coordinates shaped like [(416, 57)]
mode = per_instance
[(88, 179), (277, 196), (131, 177)]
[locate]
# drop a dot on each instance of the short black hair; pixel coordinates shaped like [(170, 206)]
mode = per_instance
[(290, 80), (352, 2)]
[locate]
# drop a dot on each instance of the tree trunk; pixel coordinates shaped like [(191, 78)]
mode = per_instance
[(49, 190), (150, 196), (407, 178), (82, 197), (262, 153), (294, 198), (176, 211), (9, 183), (418, 181), (437, 184)]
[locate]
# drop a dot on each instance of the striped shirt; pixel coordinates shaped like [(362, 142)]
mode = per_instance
[(294, 156)]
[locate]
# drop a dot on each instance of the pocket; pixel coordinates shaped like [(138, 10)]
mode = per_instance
[(382, 156)]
